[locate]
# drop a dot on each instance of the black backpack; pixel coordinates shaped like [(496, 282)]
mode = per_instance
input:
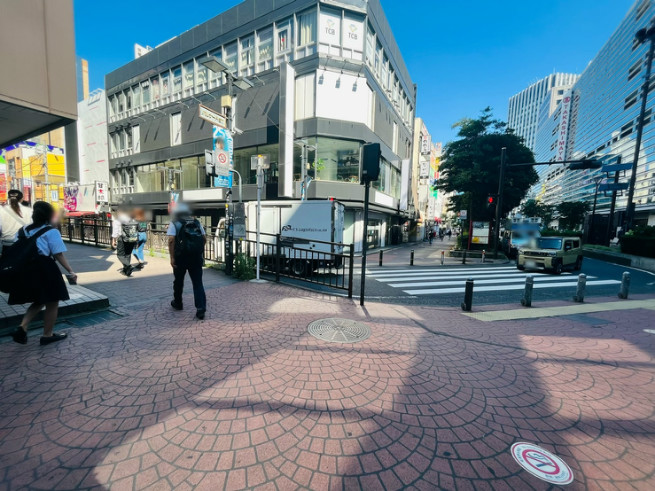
[(189, 239), (16, 259), (130, 232)]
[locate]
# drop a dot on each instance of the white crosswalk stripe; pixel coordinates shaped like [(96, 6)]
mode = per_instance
[(435, 281)]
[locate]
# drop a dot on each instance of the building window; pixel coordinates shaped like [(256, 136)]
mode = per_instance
[(136, 138), (631, 100), (306, 28), (145, 91), (187, 81), (165, 86), (154, 88), (136, 96), (230, 57), (247, 65), (201, 77), (121, 102), (264, 49), (283, 41), (128, 99), (177, 80), (216, 78), (370, 46), (378, 58), (176, 129), (336, 160), (634, 70)]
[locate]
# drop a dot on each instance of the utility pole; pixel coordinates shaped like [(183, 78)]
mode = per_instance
[(592, 227), (499, 202), (643, 35)]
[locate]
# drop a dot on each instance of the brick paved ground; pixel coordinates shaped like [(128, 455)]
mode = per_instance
[(247, 399)]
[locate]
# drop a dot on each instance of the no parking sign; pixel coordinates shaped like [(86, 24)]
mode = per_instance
[(542, 464)]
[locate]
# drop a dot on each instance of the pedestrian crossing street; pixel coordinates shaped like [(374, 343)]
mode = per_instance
[(442, 281)]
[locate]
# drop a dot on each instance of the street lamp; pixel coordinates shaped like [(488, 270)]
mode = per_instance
[(642, 36)]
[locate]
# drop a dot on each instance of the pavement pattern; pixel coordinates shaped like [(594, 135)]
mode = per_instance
[(247, 398)]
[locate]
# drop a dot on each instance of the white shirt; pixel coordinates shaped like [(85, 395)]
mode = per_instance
[(117, 225), (11, 223), (48, 244)]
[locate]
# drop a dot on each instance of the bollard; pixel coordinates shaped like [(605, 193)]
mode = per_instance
[(464, 257), (484, 254), (381, 253), (582, 284), (411, 258), (443, 255), (526, 301), (625, 285), (468, 295)]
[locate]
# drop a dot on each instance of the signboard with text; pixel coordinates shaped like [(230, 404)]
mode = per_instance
[(211, 116), (223, 143)]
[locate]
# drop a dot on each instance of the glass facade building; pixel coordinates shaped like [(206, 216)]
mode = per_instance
[(333, 67), (603, 108)]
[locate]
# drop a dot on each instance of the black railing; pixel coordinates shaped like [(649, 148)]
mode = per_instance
[(327, 264)]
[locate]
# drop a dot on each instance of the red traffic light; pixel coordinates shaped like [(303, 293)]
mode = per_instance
[(490, 200)]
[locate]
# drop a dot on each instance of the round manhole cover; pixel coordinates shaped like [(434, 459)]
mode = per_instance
[(336, 330)]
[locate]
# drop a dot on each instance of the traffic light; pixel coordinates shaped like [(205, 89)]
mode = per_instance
[(371, 154), (491, 201), (586, 164)]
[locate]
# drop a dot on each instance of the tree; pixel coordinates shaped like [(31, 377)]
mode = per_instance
[(571, 214), (532, 208), (470, 166)]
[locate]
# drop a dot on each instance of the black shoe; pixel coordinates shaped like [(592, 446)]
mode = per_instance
[(139, 266), (57, 336), (19, 336), (176, 306), (200, 314)]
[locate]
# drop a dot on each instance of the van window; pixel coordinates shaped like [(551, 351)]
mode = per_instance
[(576, 244)]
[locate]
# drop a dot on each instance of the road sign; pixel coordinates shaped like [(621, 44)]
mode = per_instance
[(617, 167), (222, 162), (542, 464), (211, 116), (256, 159), (463, 214), (613, 186)]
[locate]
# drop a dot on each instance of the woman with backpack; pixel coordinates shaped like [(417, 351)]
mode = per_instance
[(13, 216), (40, 282)]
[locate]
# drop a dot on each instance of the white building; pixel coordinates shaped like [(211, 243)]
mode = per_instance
[(92, 138), (523, 114)]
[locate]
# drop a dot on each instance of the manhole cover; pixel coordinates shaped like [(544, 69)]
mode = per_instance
[(336, 330)]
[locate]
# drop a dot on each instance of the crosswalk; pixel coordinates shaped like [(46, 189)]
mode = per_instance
[(442, 281)]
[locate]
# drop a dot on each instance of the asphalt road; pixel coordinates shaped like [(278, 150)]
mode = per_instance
[(494, 283)]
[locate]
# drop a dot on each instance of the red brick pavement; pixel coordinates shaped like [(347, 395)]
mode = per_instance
[(247, 399)]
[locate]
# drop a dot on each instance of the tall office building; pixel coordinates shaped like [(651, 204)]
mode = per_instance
[(523, 114), (314, 80), (598, 119)]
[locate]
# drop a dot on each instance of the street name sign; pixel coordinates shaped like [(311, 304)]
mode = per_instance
[(211, 116)]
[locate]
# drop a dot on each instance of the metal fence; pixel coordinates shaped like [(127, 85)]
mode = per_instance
[(328, 264)]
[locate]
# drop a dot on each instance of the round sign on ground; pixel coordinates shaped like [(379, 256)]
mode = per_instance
[(335, 330), (542, 464)]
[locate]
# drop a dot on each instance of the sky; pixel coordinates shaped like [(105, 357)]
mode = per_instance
[(463, 55)]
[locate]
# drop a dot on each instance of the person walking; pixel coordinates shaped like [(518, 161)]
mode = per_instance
[(142, 230), (186, 245), (13, 216), (124, 236), (430, 235), (449, 233), (40, 282)]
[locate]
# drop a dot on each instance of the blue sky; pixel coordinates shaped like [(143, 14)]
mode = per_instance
[(463, 55)]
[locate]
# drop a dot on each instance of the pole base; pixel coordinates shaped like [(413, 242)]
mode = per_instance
[(258, 281)]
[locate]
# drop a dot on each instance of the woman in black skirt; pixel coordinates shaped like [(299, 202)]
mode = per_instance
[(42, 284)]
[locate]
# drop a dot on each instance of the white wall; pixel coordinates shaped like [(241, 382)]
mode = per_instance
[(92, 138), (343, 97)]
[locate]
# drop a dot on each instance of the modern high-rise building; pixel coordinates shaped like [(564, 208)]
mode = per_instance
[(523, 113), (598, 119), (310, 80)]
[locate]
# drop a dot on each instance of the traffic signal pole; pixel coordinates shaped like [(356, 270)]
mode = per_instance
[(499, 203)]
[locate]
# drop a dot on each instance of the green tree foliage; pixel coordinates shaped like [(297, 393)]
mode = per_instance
[(470, 166), (532, 208), (571, 214)]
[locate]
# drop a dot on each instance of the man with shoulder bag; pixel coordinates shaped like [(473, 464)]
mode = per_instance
[(186, 246), (125, 236)]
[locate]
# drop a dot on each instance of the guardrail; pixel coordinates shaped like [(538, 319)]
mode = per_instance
[(328, 264)]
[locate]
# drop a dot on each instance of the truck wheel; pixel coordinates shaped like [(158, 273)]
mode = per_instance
[(578, 264), (299, 267)]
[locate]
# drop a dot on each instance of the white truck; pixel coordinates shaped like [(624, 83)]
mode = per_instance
[(311, 232)]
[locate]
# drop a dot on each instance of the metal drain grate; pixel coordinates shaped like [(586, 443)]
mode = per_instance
[(335, 330)]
